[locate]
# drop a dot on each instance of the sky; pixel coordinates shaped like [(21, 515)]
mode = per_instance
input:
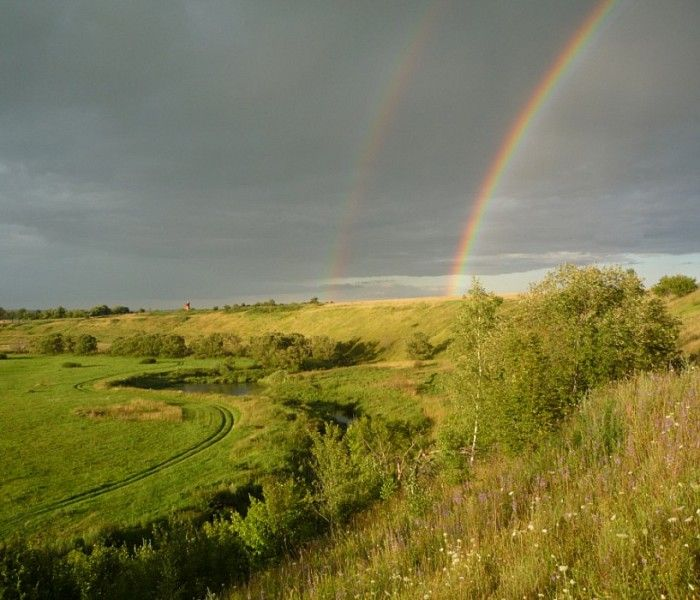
[(224, 152)]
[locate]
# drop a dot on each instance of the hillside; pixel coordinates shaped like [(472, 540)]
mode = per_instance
[(687, 309), (607, 509), (389, 322)]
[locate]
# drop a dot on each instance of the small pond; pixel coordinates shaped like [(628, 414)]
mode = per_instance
[(230, 389)]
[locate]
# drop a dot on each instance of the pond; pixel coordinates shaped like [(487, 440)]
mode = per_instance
[(230, 389)]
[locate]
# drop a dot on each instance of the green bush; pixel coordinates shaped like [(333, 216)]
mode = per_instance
[(166, 345), (3, 356), (148, 361), (50, 344), (675, 285), (85, 344), (419, 347), (71, 365)]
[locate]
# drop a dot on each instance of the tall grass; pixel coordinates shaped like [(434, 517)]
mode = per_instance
[(607, 508)]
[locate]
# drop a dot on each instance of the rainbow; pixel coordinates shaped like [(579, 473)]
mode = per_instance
[(377, 135), (510, 144)]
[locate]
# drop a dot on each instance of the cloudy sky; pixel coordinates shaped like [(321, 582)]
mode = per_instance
[(153, 152)]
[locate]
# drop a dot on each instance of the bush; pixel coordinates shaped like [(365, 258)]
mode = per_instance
[(148, 361), (50, 344), (71, 365), (171, 346), (3, 356), (675, 285), (85, 344), (419, 347)]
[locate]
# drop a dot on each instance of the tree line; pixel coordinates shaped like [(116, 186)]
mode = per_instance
[(27, 314)]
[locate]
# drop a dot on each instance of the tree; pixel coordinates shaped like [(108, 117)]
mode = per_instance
[(675, 285), (521, 372), (476, 323), (100, 311)]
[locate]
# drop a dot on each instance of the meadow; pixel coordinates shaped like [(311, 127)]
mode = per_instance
[(112, 478), (81, 457)]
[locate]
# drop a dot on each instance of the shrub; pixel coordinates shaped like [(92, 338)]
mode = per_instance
[(148, 361), (50, 344), (171, 345), (418, 347), (85, 344), (675, 285), (71, 365), (3, 356)]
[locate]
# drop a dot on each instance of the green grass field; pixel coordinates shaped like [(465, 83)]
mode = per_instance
[(80, 456)]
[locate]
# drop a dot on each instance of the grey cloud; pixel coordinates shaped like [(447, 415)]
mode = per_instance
[(162, 149)]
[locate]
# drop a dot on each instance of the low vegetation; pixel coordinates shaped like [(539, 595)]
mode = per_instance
[(675, 285), (135, 410)]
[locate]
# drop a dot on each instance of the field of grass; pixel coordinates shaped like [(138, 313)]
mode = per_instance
[(609, 508), (80, 456)]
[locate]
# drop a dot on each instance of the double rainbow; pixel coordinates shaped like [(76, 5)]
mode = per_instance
[(516, 133), (378, 131)]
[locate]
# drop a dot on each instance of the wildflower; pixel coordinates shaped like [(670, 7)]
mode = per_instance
[(622, 535), (563, 568), (672, 519)]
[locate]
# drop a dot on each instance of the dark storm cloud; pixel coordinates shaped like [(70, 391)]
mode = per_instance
[(155, 151)]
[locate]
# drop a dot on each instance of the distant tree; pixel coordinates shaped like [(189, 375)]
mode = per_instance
[(419, 347), (100, 311), (675, 285), (85, 344), (120, 310)]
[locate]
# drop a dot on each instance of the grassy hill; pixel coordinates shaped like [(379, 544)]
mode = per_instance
[(389, 322), (608, 508), (687, 309)]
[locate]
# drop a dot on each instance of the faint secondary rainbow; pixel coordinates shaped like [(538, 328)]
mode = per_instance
[(518, 130), (377, 135)]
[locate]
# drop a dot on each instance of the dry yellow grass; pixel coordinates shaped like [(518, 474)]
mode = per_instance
[(687, 309), (136, 410)]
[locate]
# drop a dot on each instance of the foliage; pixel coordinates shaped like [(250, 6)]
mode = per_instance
[(419, 347), (85, 344), (216, 345), (155, 344), (579, 328), (675, 285), (50, 344), (605, 508), (295, 352)]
